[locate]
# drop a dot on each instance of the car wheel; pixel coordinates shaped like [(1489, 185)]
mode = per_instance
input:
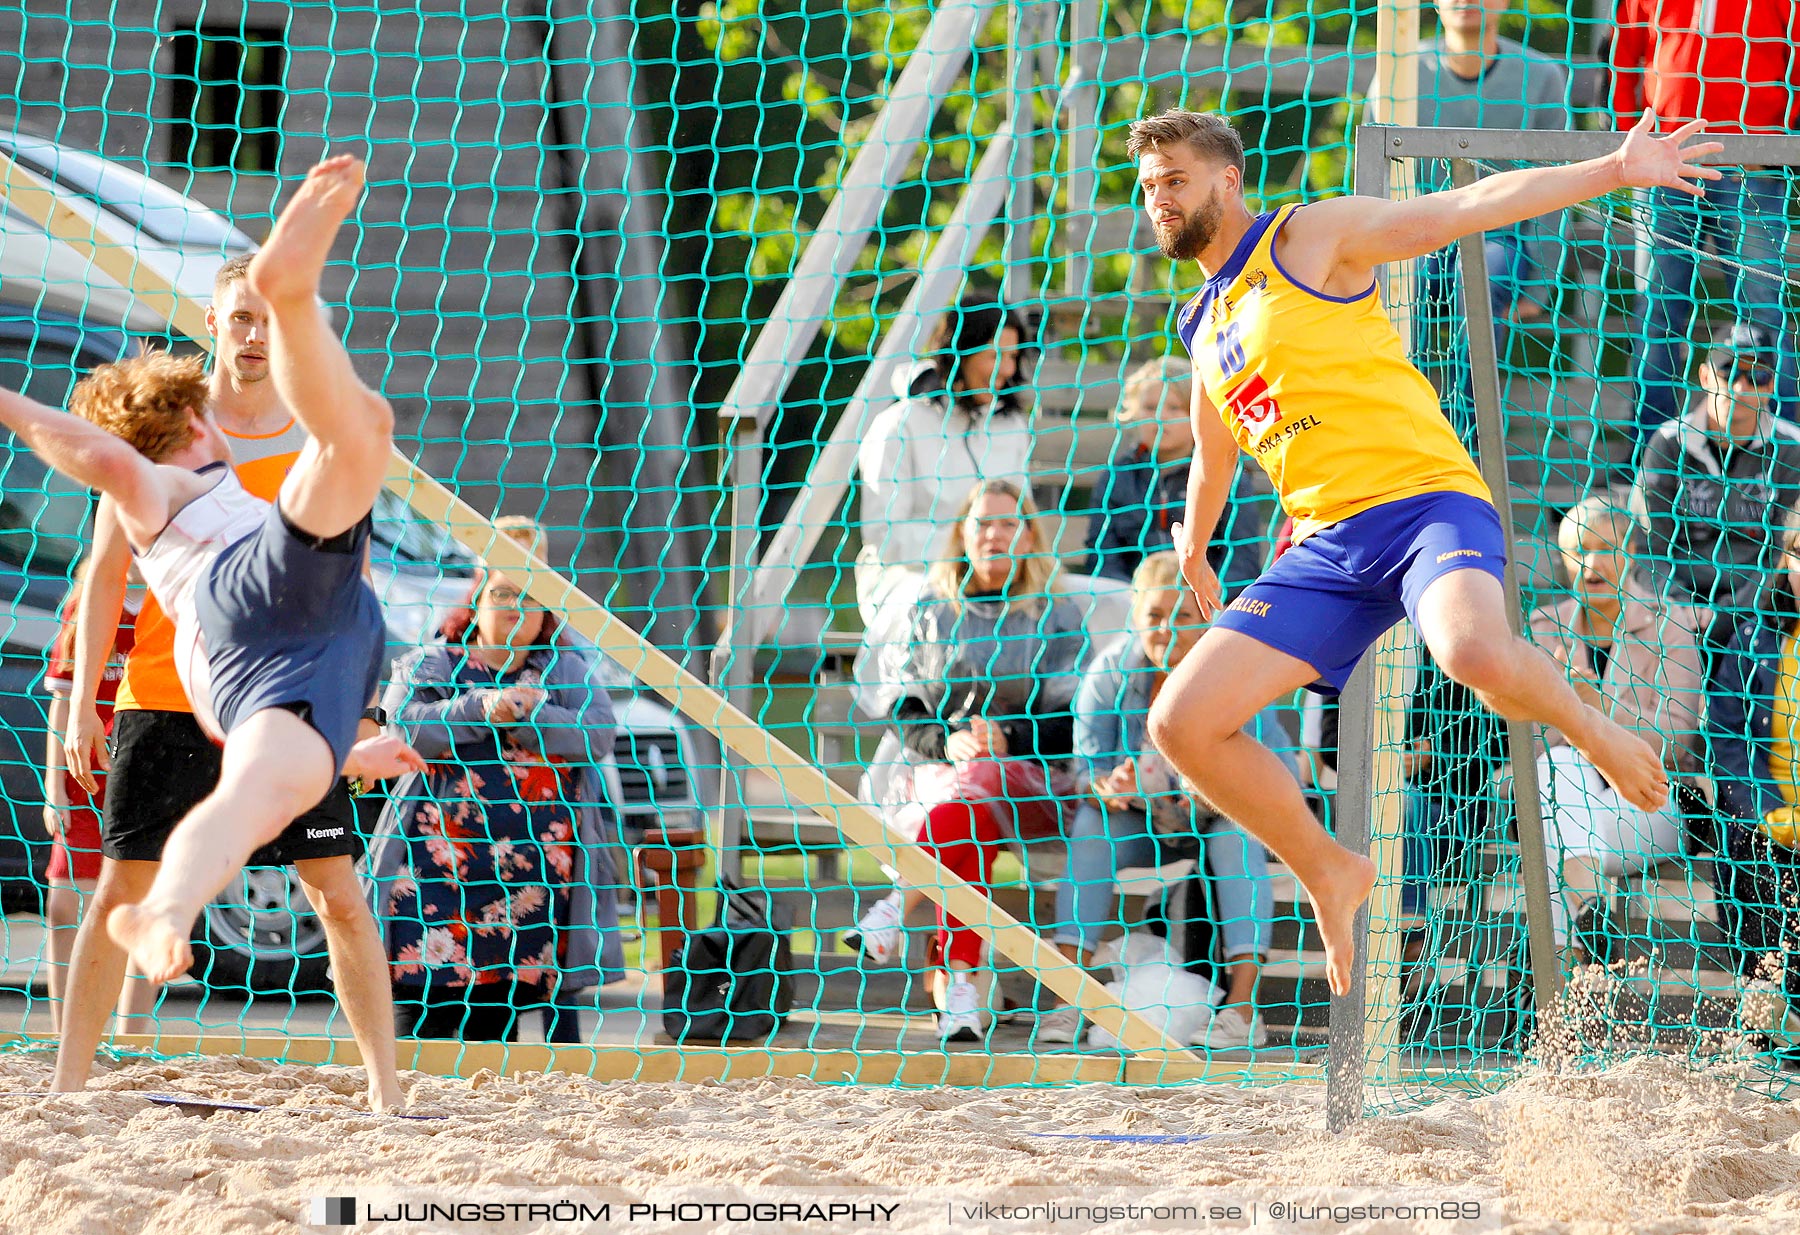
[(260, 934)]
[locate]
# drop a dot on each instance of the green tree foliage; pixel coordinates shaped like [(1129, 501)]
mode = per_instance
[(764, 102)]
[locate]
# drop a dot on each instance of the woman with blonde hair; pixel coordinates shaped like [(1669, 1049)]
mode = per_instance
[(982, 751), (1638, 660)]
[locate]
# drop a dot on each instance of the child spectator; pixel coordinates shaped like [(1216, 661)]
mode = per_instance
[(1137, 813)]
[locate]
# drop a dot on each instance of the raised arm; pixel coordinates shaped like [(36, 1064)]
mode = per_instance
[(1209, 487), (89, 455), (1336, 244)]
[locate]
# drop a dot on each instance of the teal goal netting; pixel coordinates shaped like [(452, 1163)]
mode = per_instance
[(827, 346)]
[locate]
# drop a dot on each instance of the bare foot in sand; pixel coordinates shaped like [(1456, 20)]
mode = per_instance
[(288, 266), (1629, 763), (385, 1097), (1347, 884), (156, 941)]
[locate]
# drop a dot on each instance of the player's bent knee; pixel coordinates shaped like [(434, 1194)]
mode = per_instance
[(1175, 728), (381, 415), (1478, 664), (333, 891)]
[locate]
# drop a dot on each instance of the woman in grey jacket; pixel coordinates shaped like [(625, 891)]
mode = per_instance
[(982, 696), (493, 871)]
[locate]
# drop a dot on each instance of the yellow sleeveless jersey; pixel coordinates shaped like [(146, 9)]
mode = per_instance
[(1318, 389)]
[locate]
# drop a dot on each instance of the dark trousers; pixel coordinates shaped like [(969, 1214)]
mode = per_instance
[(486, 1012), (489, 1012)]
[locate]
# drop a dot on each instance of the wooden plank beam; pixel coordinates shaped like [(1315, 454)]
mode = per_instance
[(802, 784)]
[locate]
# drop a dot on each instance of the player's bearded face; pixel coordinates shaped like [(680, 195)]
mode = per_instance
[(1183, 239)]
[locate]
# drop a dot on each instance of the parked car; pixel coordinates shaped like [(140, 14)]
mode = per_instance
[(58, 320)]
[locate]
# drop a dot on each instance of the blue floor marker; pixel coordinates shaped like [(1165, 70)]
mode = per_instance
[(206, 1106)]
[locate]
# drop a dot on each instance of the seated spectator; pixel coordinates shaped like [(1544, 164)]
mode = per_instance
[(1138, 813), (1753, 722), (493, 870), (1144, 493), (1712, 486), (962, 417), (1734, 64), (72, 814), (1638, 660), (984, 724)]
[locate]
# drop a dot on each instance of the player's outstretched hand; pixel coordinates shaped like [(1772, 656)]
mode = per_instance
[(1199, 573), (1647, 161), (381, 757)]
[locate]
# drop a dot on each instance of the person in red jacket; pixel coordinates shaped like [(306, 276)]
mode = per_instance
[(72, 814), (1736, 65)]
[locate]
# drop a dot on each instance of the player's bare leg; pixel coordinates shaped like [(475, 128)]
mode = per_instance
[(349, 427), (359, 968), (276, 767), (1197, 722), (1462, 618), (96, 973)]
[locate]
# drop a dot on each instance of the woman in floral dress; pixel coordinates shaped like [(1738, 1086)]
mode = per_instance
[(493, 869)]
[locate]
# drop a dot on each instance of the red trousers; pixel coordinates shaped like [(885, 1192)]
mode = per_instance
[(966, 839), (972, 810)]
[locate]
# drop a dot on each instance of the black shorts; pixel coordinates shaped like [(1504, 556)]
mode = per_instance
[(163, 764)]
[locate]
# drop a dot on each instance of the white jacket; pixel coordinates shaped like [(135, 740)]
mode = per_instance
[(919, 460)]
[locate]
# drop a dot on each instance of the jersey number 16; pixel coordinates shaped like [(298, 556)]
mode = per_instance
[(1231, 350)]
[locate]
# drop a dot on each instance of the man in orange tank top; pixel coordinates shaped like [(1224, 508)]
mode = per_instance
[(1288, 338)]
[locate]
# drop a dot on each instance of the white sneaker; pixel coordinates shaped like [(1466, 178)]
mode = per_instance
[(880, 934), (1233, 1028), (1062, 1025), (960, 1021)]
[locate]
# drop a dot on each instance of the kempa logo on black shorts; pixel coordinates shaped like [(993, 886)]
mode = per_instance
[(324, 833)]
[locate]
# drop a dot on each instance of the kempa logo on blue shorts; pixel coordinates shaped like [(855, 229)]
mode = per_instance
[(333, 1211), (1445, 557)]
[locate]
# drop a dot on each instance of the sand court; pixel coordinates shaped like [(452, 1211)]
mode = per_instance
[(1648, 1145)]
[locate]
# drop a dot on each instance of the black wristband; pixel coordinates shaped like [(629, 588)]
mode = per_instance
[(376, 714)]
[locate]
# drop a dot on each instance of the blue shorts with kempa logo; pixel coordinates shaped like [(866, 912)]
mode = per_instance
[(1327, 599)]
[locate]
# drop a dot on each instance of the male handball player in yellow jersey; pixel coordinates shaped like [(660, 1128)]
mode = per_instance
[(1300, 368)]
